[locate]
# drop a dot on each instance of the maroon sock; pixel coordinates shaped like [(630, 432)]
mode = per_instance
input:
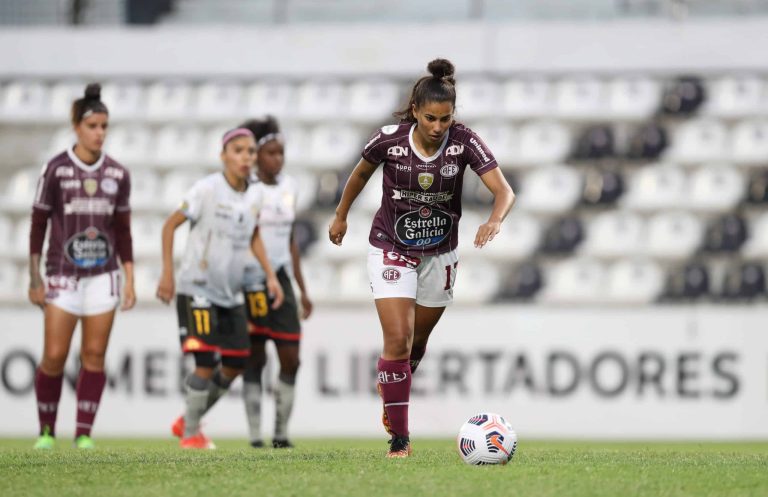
[(417, 353), (395, 381), (90, 384), (48, 392)]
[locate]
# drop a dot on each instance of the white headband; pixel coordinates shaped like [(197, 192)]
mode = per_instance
[(269, 137)]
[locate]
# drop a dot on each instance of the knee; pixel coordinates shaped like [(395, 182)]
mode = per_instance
[(289, 368), (53, 362), (92, 359), (398, 343)]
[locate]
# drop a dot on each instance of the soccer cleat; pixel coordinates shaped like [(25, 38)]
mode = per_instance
[(257, 444), (197, 441), (45, 441), (84, 442), (399, 447), (384, 417), (282, 444), (177, 428)]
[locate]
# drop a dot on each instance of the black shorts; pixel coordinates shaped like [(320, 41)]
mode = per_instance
[(281, 324), (207, 327)]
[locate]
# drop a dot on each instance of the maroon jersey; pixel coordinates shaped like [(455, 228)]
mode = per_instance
[(421, 199), (82, 200)]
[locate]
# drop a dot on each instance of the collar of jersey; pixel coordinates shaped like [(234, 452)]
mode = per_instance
[(82, 165), (416, 152)]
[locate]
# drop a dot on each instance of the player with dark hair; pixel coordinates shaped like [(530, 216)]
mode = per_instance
[(278, 213), (412, 258), (85, 195), (223, 211)]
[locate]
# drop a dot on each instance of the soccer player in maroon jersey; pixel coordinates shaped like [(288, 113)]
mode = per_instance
[(84, 194), (412, 257)]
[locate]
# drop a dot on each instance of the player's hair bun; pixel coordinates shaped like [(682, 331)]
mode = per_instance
[(93, 91), (441, 68)]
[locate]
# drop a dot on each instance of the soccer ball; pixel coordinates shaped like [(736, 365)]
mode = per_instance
[(486, 438)]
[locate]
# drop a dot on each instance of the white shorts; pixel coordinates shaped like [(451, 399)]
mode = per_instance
[(86, 296), (428, 279)]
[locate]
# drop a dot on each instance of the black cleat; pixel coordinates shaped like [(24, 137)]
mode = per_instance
[(257, 444), (399, 447), (282, 444)]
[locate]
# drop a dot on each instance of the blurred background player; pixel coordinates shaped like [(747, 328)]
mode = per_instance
[(276, 227), (223, 211), (85, 194), (412, 257)]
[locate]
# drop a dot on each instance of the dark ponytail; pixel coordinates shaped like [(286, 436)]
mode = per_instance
[(439, 87), (262, 127), (89, 104)]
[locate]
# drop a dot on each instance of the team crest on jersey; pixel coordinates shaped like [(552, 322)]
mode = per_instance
[(449, 170), (397, 151), (90, 186), (454, 150), (109, 186), (426, 180)]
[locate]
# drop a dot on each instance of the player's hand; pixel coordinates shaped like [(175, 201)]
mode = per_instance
[(337, 230), (129, 297), (166, 288), (36, 293), (306, 306), (486, 232), (275, 292)]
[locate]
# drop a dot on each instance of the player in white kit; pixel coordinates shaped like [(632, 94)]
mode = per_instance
[(223, 211)]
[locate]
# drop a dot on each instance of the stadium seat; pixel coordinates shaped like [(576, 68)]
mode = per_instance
[(10, 284), (307, 185), (322, 278), (757, 192), (602, 188), (501, 139), (524, 282), (125, 100), (354, 247), (689, 283), (169, 101), (749, 143), (563, 236), (211, 146), (614, 234), (61, 96), (518, 239), (648, 142), (527, 98), (6, 234), (674, 235), (756, 246), (580, 98), (634, 282), (334, 146), (146, 231), (550, 190), (270, 98), (477, 99), (353, 282), (62, 139), (20, 190), (735, 96), (305, 234), (370, 197), (144, 189), (146, 277), (20, 238), (726, 234), (698, 141), (24, 101), (130, 145), (575, 281), (716, 188), (477, 281), (218, 101), (297, 152), (683, 96), (656, 187), (177, 146), (595, 143), (330, 184), (174, 186), (320, 100), (633, 98), (744, 282), (372, 102), (542, 143)]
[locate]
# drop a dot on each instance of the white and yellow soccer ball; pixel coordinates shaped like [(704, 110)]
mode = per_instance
[(486, 438)]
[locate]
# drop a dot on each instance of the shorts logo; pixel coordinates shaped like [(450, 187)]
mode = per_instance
[(109, 186), (426, 180), (90, 186), (449, 170), (395, 259), (390, 275)]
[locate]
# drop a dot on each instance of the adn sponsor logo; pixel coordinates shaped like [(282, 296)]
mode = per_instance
[(454, 150), (397, 151)]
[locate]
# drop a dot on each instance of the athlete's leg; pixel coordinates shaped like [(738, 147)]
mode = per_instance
[(425, 321), (91, 381), (252, 389), (288, 353), (58, 330)]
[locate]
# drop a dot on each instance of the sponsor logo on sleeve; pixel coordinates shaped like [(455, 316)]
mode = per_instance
[(109, 186), (449, 170), (426, 180), (388, 130), (88, 249), (425, 227), (480, 149)]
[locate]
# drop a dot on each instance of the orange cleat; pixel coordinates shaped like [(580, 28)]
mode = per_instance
[(198, 441), (399, 447), (177, 428)]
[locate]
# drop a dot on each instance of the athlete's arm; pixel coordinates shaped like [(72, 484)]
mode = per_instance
[(355, 184), (129, 291), (36, 237), (273, 286), (166, 288), (306, 303), (503, 199)]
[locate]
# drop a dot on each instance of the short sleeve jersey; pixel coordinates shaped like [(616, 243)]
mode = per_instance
[(82, 200), (276, 217), (421, 196), (222, 222)]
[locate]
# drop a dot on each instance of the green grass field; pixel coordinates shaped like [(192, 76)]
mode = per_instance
[(141, 468)]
